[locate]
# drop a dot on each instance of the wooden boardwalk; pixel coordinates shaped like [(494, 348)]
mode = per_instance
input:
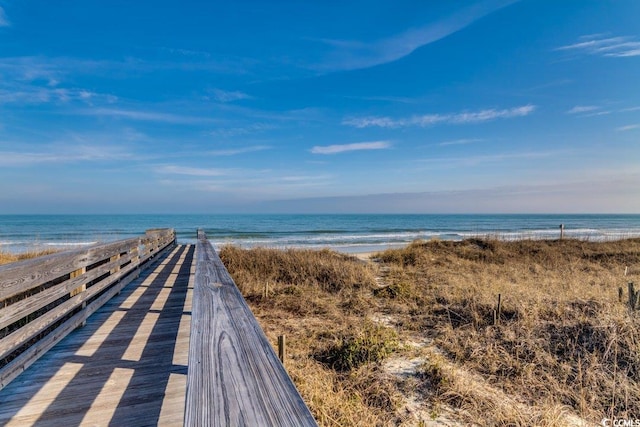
[(126, 367)]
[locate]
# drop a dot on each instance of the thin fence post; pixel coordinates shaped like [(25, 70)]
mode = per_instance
[(497, 311), (282, 348)]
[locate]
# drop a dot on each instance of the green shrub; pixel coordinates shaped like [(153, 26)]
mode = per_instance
[(373, 344)]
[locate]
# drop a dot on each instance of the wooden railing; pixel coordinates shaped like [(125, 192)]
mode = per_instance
[(234, 376), (45, 298)]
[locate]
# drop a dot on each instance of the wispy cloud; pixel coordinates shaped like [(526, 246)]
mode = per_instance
[(433, 119), (56, 153), (4, 22), (390, 99), (580, 109), (463, 141), (455, 162), (244, 130), (242, 150), (148, 116), (229, 96), (597, 44), (54, 70), (25, 94), (256, 184), (597, 113), (51, 70), (351, 55), (186, 52), (191, 171), (358, 146), (628, 127)]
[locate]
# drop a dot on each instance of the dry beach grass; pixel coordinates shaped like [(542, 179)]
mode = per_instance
[(411, 338), (7, 257)]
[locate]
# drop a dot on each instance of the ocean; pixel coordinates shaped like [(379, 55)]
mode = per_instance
[(346, 233)]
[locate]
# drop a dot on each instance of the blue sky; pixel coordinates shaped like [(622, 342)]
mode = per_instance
[(293, 106)]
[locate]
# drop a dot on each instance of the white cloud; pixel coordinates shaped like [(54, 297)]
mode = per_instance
[(579, 109), (363, 122), (229, 96), (54, 70), (432, 119), (597, 44), (352, 55), (335, 149), (256, 184), (57, 153), (150, 116), (50, 70), (4, 22), (24, 94), (191, 171), (487, 115), (186, 52), (597, 113), (628, 127), (236, 131), (242, 150), (462, 141), (454, 162)]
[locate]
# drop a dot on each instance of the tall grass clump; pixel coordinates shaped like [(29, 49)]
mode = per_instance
[(327, 270), (371, 344)]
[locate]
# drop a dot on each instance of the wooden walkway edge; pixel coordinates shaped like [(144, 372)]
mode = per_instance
[(235, 378), (126, 367)]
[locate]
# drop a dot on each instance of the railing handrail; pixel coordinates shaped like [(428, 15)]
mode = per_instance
[(234, 375), (45, 298), (13, 273)]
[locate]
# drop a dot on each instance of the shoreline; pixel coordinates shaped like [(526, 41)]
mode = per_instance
[(342, 233), (360, 251)]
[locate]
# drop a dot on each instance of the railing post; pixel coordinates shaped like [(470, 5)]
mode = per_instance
[(282, 348), (77, 273)]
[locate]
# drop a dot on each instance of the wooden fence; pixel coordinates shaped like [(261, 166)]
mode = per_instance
[(234, 377), (43, 299)]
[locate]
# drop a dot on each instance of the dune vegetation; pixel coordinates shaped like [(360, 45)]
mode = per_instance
[(7, 257), (416, 335)]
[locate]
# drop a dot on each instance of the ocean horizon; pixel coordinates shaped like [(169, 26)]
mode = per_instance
[(342, 232)]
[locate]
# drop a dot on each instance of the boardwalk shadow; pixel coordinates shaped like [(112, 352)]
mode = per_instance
[(126, 367)]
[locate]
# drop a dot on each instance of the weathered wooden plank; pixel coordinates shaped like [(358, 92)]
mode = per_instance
[(73, 387), (26, 359), (24, 307), (234, 378), (124, 275), (31, 329), (24, 275), (21, 276)]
